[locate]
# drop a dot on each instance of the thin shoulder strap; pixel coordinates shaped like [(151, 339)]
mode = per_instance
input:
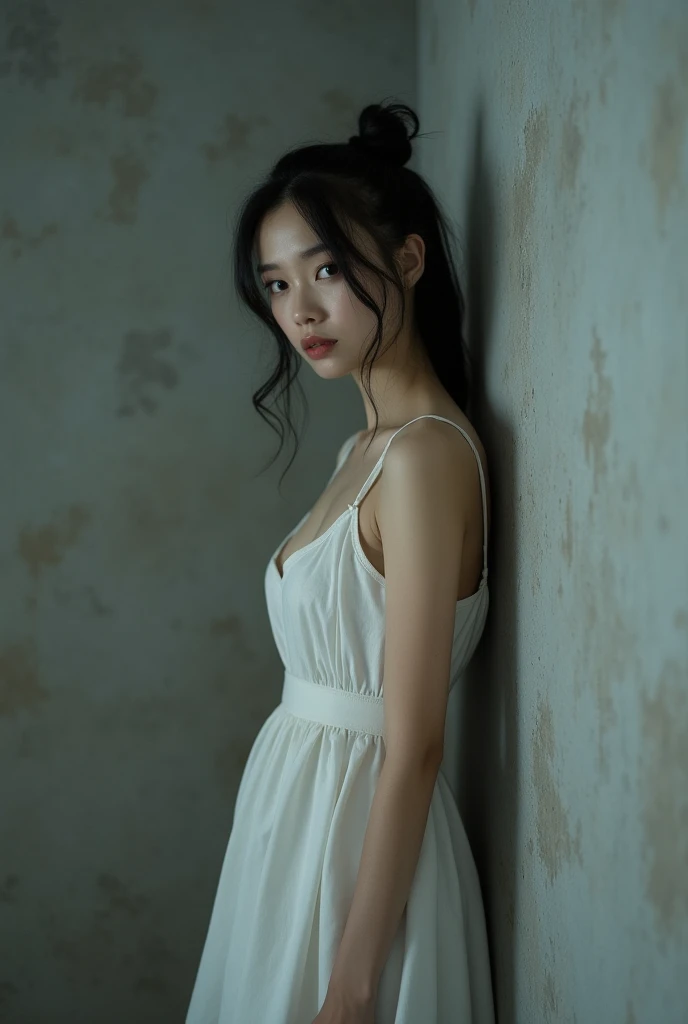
[(378, 466)]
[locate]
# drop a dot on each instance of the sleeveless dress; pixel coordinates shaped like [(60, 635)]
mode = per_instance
[(302, 808)]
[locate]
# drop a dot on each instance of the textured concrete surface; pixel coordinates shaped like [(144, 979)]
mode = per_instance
[(136, 663), (562, 154)]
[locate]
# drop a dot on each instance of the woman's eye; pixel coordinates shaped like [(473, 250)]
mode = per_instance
[(268, 284)]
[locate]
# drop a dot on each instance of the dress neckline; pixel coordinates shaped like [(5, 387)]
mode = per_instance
[(315, 540), (360, 556), (304, 547), (359, 497)]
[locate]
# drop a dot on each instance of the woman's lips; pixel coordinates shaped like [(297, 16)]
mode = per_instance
[(313, 339), (321, 349)]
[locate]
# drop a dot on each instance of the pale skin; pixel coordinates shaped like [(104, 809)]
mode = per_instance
[(421, 527)]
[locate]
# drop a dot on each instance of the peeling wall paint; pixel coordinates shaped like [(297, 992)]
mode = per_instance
[(557, 842), (124, 78), (665, 803), (559, 145)]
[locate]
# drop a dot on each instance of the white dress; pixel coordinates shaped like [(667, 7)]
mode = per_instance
[(303, 803)]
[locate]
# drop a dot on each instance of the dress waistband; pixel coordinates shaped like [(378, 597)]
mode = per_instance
[(344, 709)]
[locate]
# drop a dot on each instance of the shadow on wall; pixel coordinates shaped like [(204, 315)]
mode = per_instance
[(488, 741)]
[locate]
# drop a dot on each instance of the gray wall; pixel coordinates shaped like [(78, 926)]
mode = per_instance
[(136, 662), (563, 154)]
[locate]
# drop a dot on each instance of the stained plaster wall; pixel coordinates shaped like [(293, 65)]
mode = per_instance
[(563, 154), (136, 662)]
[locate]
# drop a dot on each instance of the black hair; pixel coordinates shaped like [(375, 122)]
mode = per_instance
[(361, 182)]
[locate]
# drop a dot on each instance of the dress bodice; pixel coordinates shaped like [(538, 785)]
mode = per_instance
[(327, 610)]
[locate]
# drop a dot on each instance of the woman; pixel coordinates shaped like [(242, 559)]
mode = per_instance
[(348, 893)]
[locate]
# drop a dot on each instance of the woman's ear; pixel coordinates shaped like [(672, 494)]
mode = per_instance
[(411, 260)]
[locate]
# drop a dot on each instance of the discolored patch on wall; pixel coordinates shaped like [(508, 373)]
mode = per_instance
[(339, 103), (122, 77), (119, 899), (158, 962), (97, 606), (129, 173), (629, 511), (8, 990), (550, 999), (681, 618), (610, 68), (521, 252), (44, 546), (600, 15), (10, 232), (567, 539), (201, 8), (571, 142), (557, 844), (141, 367), (153, 510), (609, 655), (609, 10), (472, 4), (516, 85), (8, 889), (665, 803), (20, 686), (86, 951), (596, 428), (235, 136), (9, 229), (31, 43), (230, 625), (666, 142), (90, 599)]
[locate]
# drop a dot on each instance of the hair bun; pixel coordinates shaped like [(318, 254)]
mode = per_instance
[(383, 132)]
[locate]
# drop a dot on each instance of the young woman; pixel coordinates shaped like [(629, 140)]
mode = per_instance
[(348, 893)]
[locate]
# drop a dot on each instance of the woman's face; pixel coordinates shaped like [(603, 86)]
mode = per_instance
[(310, 296)]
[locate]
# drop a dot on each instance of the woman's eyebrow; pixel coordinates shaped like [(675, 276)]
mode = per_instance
[(305, 255)]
